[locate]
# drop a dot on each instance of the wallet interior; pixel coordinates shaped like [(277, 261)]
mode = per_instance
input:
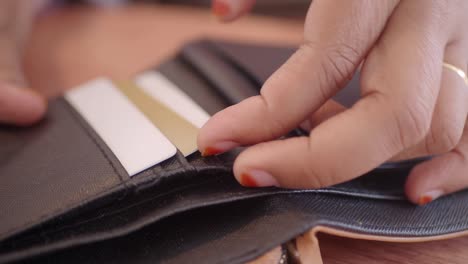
[(64, 192)]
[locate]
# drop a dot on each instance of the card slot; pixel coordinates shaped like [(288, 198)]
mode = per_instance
[(161, 90), (263, 224), (174, 174), (232, 85), (135, 141), (258, 62), (82, 224), (186, 78), (211, 185), (317, 207)]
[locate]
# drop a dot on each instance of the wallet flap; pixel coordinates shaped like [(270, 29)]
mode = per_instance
[(51, 167)]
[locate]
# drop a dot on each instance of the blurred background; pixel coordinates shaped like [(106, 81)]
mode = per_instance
[(284, 8), (76, 41), (291, 8)]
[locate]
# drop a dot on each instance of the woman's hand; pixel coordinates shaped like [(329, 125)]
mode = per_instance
[(410, 104), (18, 104)]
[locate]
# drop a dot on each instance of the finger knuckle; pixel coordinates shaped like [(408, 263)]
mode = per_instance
[(444, 138), (337, 63), (340, 60), (412, 123)]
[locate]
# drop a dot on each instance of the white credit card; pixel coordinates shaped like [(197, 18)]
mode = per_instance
[(129, 134), (166, 92)]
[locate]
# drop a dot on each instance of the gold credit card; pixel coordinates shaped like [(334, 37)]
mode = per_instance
[(182, 133)]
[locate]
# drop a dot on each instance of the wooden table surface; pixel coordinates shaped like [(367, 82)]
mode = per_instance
[(73, 45)]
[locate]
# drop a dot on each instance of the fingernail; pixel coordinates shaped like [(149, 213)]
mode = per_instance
[(429, 197), (221, 9), (258, 178), (219, 148)]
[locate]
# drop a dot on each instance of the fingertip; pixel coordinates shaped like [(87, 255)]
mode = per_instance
[(218, 148), (429, 196), (422, 197), (254, 175), (254, 178), (228, 10), (211, 140), (241, 170), (36, 110), (257, 178), (205, 136), (20, 106), (220, 9), (272, 164), (224, 131), (412, 186), (37, 105), (425, 183)]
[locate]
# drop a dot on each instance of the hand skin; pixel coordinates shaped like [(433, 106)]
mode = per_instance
[(410, 104), (19, 105)]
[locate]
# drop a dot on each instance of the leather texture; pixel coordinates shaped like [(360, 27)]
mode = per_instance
[(47, 169), (185, 209)]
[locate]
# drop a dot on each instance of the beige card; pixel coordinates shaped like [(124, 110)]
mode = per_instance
[(179, 131)]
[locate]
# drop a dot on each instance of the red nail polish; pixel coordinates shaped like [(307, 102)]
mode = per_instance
[(425, 200), (209, 151), (430, 196), (220, 9), (248, 181), (219, 148)]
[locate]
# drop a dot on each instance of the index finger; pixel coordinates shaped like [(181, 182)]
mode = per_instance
[(338, 35)]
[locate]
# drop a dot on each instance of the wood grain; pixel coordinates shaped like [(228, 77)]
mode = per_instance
[(336, 250), (71, 46)]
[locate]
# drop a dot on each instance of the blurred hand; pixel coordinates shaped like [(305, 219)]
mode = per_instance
[(410, 104), (19, 105)]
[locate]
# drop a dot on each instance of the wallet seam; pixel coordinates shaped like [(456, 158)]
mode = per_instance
[(370, 194)]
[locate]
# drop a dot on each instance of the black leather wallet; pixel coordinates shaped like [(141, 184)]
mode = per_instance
[(64, 197)]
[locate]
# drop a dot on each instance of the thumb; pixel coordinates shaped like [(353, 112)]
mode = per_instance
[(228, 10), (18, 104)]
